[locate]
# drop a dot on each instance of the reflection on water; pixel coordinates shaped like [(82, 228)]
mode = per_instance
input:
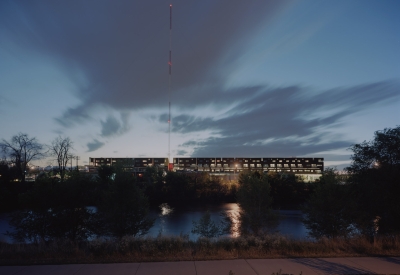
[(4, 227), (178, 220)]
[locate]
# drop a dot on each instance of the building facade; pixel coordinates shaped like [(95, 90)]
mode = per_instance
[(307, 168)]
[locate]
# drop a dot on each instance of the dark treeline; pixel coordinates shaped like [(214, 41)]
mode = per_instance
[(287, 191), (366, 201), (175, 188), (54, 209)]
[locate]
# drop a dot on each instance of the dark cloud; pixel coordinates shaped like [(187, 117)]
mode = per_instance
[(120, 48), (181, 153), (94, 145), (284, 121), (112, 126), (73, 116)]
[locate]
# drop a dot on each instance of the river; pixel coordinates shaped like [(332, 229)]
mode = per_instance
[(179, 220)]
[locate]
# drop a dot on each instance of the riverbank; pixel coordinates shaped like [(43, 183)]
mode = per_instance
[(163, 249)]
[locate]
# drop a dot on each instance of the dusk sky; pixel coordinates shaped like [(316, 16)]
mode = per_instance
[(249, 78)]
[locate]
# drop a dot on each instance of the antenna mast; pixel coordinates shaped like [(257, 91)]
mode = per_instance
[(169, 83)]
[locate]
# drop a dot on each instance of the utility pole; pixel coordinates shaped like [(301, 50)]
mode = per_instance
[(71, 157), (77, 158), (169, 87)]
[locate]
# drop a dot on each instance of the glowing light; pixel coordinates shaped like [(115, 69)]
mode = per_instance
[(166, 209)]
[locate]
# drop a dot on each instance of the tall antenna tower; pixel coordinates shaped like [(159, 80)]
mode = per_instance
[(169, 85)]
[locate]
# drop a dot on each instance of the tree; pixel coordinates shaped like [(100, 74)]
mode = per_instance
[(21, 150), (55, 210), (207, 228), (374, 179), (287, 190), (60, 149), (328, 212), (105, 173), (124, 208), (253, 196)]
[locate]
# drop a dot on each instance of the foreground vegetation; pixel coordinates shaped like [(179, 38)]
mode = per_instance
[(180, 248)]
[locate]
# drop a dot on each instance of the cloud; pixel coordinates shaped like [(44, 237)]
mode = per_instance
[(181, 152), (111, 126), (94, 145), (73, 116), (284, 121), (124, 68)]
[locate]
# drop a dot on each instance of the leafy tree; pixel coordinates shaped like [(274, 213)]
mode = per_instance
[(124, 209), (60, 149), (179, 187), (253, 196), (105, 173), (54, 210), (328, 211), (20, 151), (287, 190), (154, 184), (207, 228), (374, 180)]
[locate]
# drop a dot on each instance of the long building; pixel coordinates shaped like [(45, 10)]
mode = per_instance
[(307, 168)]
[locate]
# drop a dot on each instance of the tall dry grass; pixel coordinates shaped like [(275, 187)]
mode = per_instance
[(180, 248)]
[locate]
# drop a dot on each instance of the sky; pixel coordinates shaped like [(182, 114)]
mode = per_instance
[(249, 78)]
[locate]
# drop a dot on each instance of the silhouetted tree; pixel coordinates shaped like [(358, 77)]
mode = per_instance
[(207, 228), (328, 212), (374, 176), (20, 151), (60, 149), (105, 173), (253, 196), (55, 209), (124, 208)]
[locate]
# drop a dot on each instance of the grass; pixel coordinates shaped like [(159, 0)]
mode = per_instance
[(180, 248)]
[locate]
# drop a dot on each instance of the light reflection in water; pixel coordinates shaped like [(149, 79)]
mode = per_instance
[(233, 214), (165, 209), (179, 220)]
